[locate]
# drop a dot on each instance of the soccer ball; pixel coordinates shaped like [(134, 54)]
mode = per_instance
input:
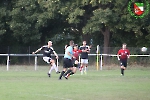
[(143, 49)]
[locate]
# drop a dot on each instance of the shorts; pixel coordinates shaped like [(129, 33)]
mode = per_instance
[(123, 62), (47, 59), (84, 61), (67, 63), (75, 65)]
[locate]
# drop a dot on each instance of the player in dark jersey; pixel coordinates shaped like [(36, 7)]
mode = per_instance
[(123, 55), (84, 57), (47, 51)]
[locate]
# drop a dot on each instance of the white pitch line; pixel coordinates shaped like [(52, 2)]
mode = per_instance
[(45, 95), (53, 97)]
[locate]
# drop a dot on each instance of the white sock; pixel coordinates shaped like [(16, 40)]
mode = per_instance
[(54, 66), (51, 69), (85, 68), (82, 71)]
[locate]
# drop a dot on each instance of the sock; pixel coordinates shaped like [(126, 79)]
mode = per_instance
[(85, 68), (51, 69), (81, 71), (54, 66), (62, 73), (71, 73), (75, 65), (68, 72), (81, 68), (122, 71)]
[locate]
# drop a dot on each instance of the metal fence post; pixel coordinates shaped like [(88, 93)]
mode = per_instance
[(8, 62), (35, 62)]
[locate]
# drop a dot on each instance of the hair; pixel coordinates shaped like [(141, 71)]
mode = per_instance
[(84, 41), (49, 41), (124, 44), (71, 42)]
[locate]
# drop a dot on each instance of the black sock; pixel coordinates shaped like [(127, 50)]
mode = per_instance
[(68, 72), (62, 73), (75, 65), (121, 71), (71, 73)]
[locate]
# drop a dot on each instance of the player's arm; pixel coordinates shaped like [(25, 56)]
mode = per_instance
[(128, 54), (79, 51), (70, 54), (89, 48), (83, 50), (37, 50), (118, 55)]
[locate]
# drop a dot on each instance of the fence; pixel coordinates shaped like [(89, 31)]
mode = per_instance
[(99, 59), (23, 56)]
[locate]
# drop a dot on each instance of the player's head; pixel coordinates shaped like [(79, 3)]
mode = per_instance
[(84, 43), (71, 43), (124, 45), (49, 43), (75, 47)]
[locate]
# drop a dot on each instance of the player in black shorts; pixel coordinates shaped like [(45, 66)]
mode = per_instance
[(75, 60), (67, 62), (47, 51)]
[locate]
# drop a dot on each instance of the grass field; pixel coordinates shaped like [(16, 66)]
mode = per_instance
[(96, 85)]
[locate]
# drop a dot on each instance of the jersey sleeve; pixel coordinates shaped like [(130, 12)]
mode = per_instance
[(80, 48), (52, 49), (42, 47), (128, 52), (118, 52), (79, 51)]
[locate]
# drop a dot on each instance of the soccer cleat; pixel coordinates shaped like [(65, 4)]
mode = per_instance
[(57, 72), (65, 76), (49, 75), (122, 74)]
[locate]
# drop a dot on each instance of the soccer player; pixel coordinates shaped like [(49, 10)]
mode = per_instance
[(47, 51), (67, 61), (123, 55), (84, 57), (75, 60)]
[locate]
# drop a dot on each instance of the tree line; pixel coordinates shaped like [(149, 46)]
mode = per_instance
[(104, 22)]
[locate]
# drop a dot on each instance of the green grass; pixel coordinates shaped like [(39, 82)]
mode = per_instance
[(96, 85)]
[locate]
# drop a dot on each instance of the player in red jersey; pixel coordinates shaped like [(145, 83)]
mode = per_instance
[(75, 60), (123, 55)]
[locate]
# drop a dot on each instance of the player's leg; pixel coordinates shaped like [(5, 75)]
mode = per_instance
[(54, 66), (74, 69), (82, 65), (47, 60), (70, 64), (124, 66), (64, 68), (86, 64), (121, 67)]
